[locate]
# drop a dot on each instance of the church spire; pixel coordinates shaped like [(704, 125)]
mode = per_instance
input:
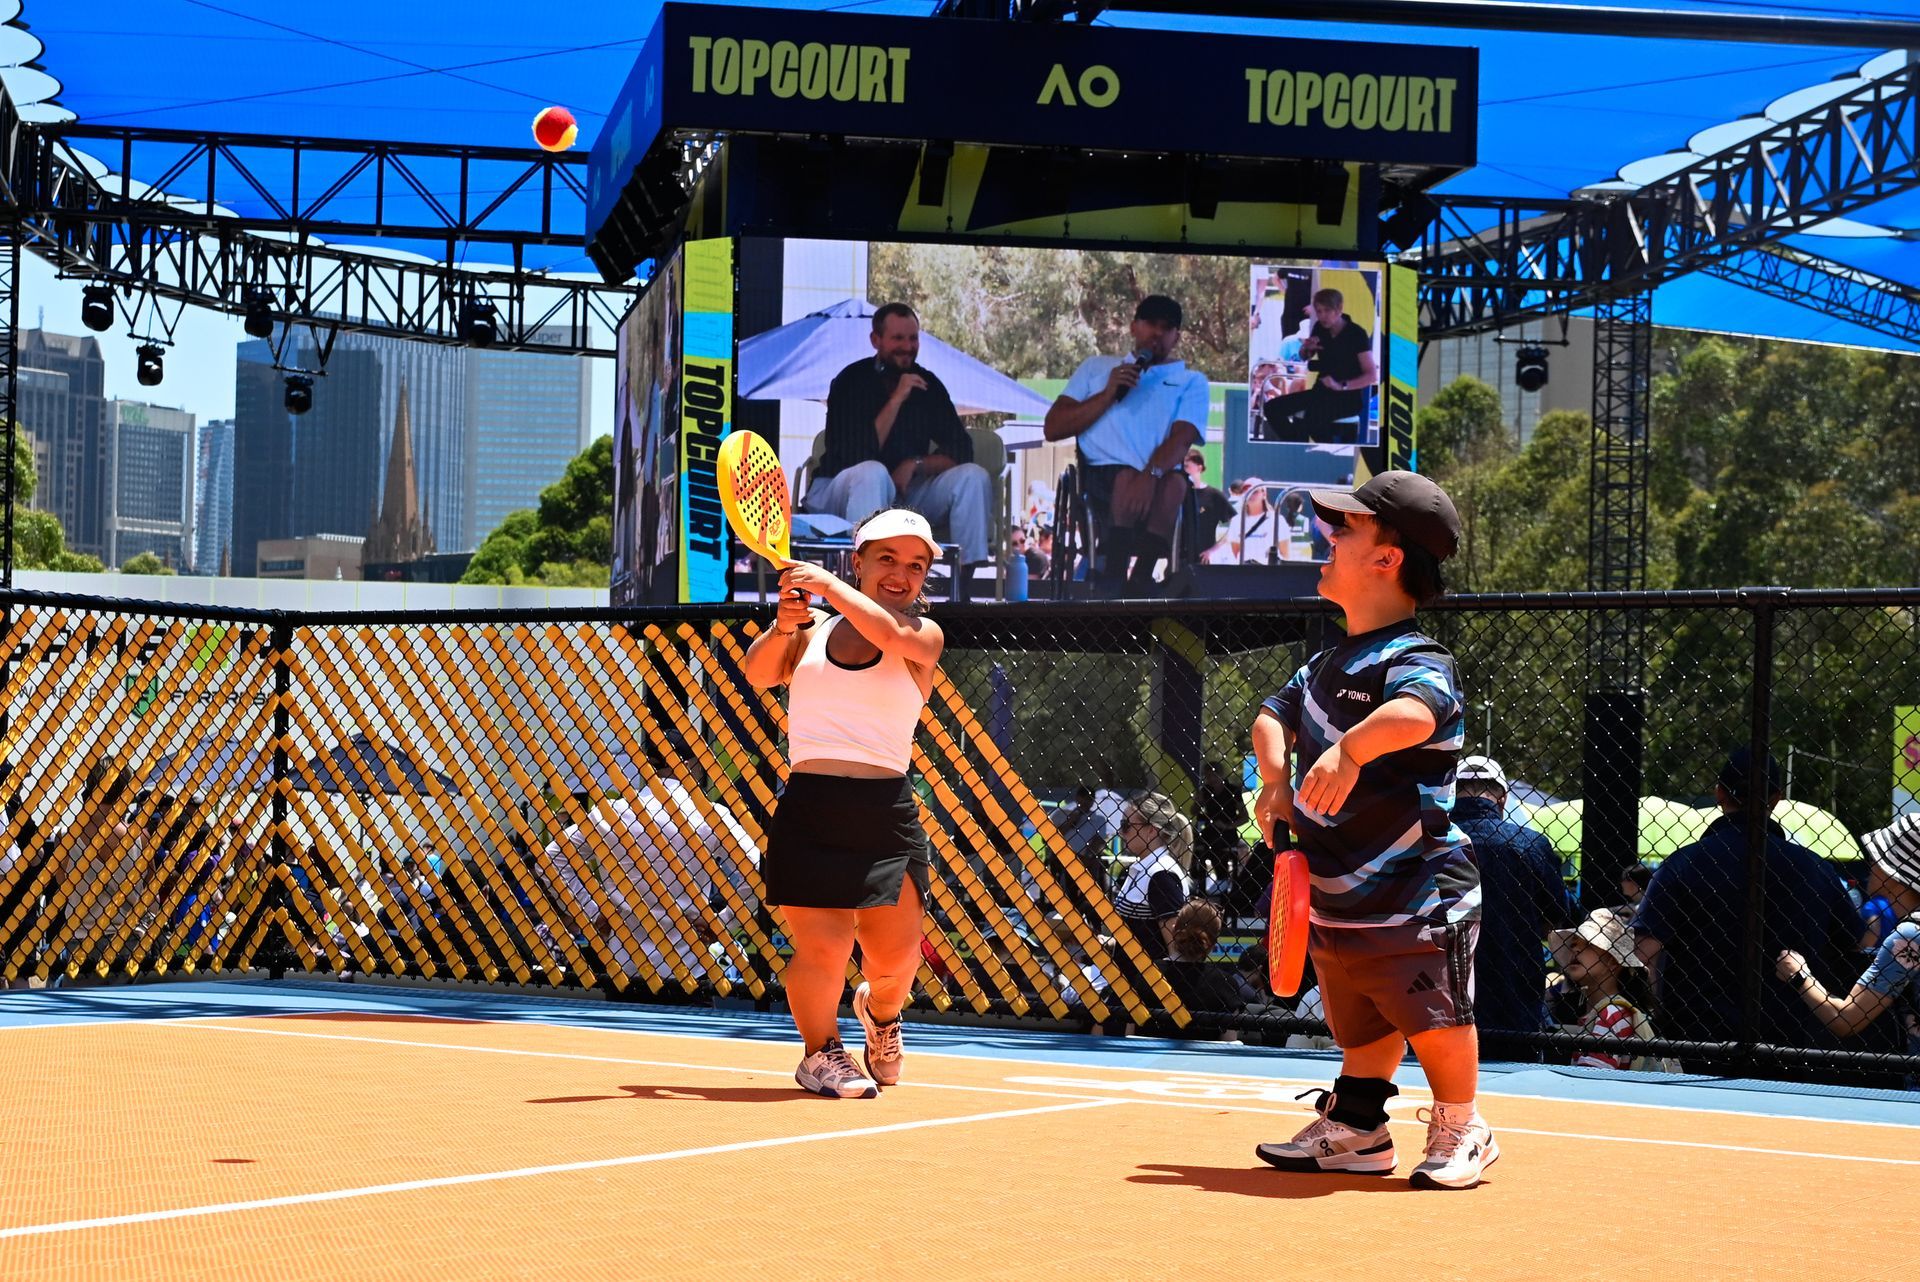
[(400, 531)]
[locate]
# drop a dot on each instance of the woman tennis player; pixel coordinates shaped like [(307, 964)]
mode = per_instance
[(846, 856)]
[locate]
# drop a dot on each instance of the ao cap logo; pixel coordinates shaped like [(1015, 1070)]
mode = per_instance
[(895, 523)]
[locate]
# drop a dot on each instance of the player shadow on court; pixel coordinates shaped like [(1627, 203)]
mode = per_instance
[(1264, 1181), (711, 1094)]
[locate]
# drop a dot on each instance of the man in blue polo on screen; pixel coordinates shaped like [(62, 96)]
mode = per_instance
[(894, 439), (1135, 417)]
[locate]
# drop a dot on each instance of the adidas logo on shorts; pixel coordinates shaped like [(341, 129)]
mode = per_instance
[(1424, 984)]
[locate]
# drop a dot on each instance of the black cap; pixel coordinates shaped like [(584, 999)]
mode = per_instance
[(1409, 502), (1733, 775), (1159, 309)]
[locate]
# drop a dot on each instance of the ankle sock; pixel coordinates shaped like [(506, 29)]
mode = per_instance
[(1361, 1102)]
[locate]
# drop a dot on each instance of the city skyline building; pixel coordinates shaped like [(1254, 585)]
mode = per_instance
[(149, 464), (529, 415), (212, 495), (63, 406), (262, 456)]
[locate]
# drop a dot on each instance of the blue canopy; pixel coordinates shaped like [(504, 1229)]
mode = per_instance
[(361, 766), (1558, 113), (797, 362)]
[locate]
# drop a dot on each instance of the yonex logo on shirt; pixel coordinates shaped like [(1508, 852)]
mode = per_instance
[(1358, 696)]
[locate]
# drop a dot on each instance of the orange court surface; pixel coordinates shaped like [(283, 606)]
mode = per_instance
[(340, 1132)]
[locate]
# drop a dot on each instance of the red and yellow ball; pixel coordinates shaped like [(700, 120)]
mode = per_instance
[(555, 129)]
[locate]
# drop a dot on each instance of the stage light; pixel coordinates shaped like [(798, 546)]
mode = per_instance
[(96, 308), (299, 395), (478, 322), (259, 322), (149, 364), (1404, 226), (1530, 368)]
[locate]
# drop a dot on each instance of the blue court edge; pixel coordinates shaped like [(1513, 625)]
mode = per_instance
[(22, 1009)]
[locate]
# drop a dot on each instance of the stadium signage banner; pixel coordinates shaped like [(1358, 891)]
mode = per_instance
[(1099, 88), (706, 416)]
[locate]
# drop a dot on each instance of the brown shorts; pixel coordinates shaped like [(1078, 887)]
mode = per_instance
[(1377, 981)]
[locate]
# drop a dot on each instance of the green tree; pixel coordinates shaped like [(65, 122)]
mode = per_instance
[(38, 541), (25, 478), (1037, 313), (145, 563), (567, 541), (1460, 426)]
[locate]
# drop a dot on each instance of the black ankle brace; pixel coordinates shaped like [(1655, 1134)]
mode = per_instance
[(1361, 1102)]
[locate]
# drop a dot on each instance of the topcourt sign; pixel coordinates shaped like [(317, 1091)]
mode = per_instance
[(1099, 88)]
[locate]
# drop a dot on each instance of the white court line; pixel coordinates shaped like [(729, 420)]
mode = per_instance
[(525, 1172), (1486, 1090), (1212, 1105)]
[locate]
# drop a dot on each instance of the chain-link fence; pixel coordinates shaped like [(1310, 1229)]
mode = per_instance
[(579, 801)]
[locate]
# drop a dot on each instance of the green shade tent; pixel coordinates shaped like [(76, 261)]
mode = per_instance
[(1665, 826)]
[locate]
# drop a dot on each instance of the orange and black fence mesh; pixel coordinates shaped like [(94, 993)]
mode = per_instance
[(580, 800)]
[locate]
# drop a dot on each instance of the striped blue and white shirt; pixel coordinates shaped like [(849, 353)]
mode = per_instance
[(1393, 854)]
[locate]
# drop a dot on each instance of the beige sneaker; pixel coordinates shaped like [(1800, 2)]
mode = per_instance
[(884, 1053), (1460, 1146), (831, 1072), (1327, 1145)]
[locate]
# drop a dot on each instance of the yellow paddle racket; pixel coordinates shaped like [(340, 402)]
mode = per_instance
[(753, 493)]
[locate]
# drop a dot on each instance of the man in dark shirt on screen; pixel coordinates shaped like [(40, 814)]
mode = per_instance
[(1342, 354), (894, 439)]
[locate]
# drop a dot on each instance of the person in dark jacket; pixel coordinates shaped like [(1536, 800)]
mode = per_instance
[(1524, 898), (1689, 930)]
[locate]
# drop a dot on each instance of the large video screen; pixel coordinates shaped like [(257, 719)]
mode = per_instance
[(646, 445), (1278, 365)]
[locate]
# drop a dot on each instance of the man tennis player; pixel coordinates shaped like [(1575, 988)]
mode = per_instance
[(1357, 754)]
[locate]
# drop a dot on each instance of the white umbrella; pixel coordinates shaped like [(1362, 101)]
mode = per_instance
[(797, 362)]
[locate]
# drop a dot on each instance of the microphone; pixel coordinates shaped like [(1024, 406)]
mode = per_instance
[(1140, 357)]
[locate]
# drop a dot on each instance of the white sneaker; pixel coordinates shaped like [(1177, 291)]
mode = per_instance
[(1459, 1147), (1327, 1145), (884, 1053), (831, 1072)]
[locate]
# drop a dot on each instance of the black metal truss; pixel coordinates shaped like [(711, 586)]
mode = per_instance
[(340, 188), (9, 384), (172, 242), (1621, 467), (1488, 262), (1833, 289)]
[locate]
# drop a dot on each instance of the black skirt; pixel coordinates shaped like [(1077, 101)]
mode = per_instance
[(844, 843)]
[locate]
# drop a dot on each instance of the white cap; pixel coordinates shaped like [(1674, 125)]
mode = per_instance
[(1483, 768), (897, 522)]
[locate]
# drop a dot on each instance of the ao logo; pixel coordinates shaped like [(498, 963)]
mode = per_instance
[(1185, 1088), (1098, 86)]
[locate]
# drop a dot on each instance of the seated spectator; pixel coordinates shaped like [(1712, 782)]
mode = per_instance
[(1633, 886), (1688, 935), (1220, 813), (1610, 988), (607, 867), (1893, 978), (1201, 983), (1523, 899), (1156, 887)]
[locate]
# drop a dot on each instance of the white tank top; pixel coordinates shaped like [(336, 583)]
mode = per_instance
[(866, 714)]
